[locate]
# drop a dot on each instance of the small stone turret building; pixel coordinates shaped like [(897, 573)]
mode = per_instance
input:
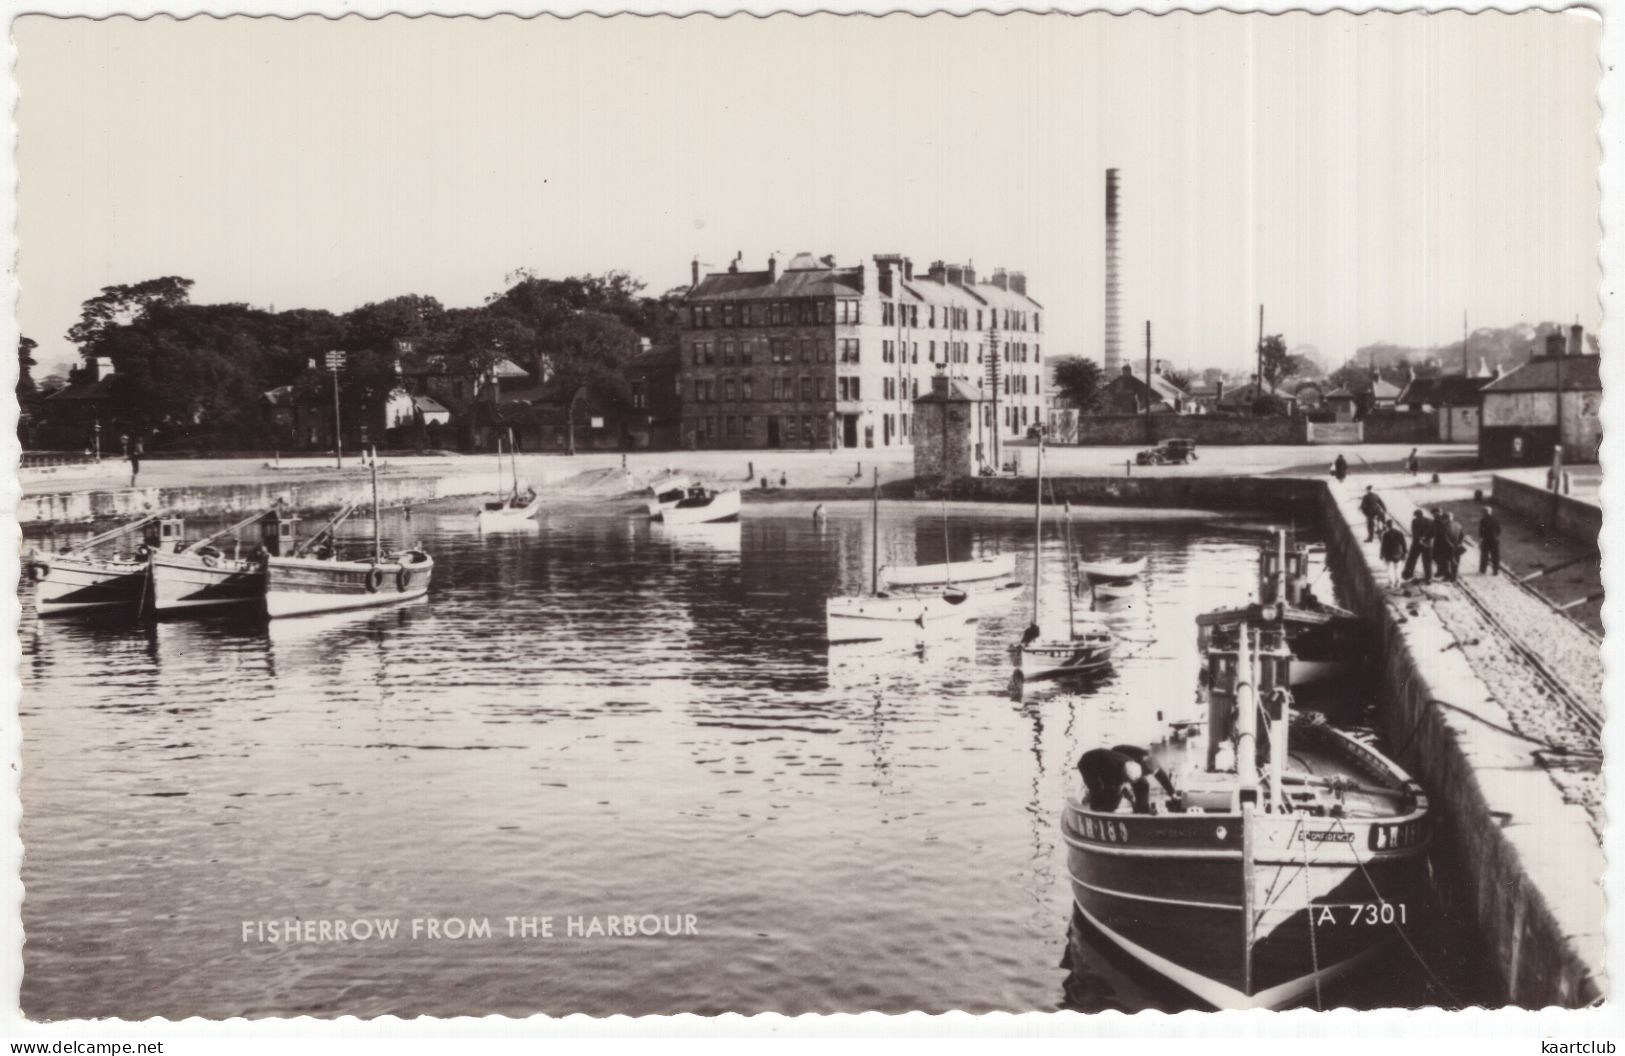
[(945, 422)]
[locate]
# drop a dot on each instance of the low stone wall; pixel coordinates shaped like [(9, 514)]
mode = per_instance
[(1127, 430), (1418, 428), (1291, 495), (225, 499), (1580, 521), (1530, 867)]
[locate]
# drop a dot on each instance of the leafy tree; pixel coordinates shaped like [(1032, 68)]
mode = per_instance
[(1080, 383), (25, 366), (1274, 360), (120, 305)]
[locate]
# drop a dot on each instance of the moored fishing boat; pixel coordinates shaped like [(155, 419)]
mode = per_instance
[(201, 575), (1258, 883), (703, 506), (1089, 644), (314, 579), (79, 578), (1327, 641)]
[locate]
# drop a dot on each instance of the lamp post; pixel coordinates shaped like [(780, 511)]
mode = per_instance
[(335, 363)]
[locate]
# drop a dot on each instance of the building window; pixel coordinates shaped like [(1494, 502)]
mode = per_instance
[(789, 428), (806, 350), (823, 388), (727, 353), (823, 351), (744, 389), (745, 351), (727, 315), (728, 389), (745, 428), (733, 428), (781, 349), (888, 313), (699, 391), (849, 350)]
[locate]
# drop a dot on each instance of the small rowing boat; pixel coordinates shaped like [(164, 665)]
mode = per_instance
[(963, 573), (1258, 883), (1113, 572)]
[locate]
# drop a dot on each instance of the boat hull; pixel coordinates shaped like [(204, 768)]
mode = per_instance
[(510, 516), (1113, 572), (958, 573), (724, 506), (904, 620), (66, 583), (189, 581), (297, 586), (1045, 659)]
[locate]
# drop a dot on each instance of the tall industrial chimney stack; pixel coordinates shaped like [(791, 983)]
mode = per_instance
[(1114, 352)]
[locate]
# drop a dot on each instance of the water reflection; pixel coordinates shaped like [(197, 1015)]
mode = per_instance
[(601, 715)]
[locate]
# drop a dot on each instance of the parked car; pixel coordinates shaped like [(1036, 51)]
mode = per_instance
[(1169, 452)]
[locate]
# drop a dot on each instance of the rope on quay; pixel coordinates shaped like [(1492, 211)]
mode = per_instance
[(1440, 983)]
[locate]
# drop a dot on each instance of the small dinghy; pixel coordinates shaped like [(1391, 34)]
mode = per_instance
[(963, 573), (1089, 644), (1257, 882), (514, 509), (703, 506), (1112, 572), (903, 619)]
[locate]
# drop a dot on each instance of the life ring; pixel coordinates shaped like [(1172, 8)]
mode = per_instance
[(38, 570), (375, 579), (143, 552), (403, 579), (211, 556)]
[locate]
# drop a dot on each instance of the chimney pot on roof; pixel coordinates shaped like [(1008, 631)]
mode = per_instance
[(1018, 282), (970, 274), (938, 271), (908, 270), (696, 273), (1554, 344), (939, 384), (1001, 278), (1128, 370), (772, 268), (1577, 346), (956, 275)]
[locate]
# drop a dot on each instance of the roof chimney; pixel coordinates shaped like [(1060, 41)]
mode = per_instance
[(970, 274), (1577, 345), (1018, 282), (1554, 344), (772, 268), (1001, 279), (1128, 370), (956, 275), (939, 384), (1219, 390), (908, 270), (696, 273)]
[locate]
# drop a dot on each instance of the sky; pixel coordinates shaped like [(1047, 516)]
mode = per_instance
[(1364, 178)]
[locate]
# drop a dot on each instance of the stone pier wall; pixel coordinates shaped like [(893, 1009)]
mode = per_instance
[(1580, 521)]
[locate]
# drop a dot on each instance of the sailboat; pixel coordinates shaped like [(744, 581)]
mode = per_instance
[(1088, 645), (79, 578), (881, 616), (511, 510), (1258, 883), (988, 580), (302, 583), (203, 576)]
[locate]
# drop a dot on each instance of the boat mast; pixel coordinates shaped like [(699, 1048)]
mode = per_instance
[(1038, 525), (1246, 713), (1071, 571), (874, 537), (513, 461), (947, 555), (377, 528)]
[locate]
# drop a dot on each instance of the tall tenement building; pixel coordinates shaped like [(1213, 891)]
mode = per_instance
[(822, 356)]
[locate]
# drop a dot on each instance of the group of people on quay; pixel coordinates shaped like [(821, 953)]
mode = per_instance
[(1437, 541)]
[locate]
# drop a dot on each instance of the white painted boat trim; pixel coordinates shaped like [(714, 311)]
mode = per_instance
[(298, 603), (1153, 898)]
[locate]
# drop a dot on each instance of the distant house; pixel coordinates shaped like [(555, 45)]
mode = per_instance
[(1384, 394), (553, 417), (1344, 404), (1127, 394), (1205, 396), (656, 417), (1309, 394), (1551, 397), (72, 417), (1242, 399), (1455, 400)]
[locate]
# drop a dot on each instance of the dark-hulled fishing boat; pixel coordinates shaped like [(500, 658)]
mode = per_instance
[(1257, 884)]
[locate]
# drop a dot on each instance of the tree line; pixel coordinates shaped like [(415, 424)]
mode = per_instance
[(185, 372)]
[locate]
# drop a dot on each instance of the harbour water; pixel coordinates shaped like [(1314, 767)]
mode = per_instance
[(598, 718)]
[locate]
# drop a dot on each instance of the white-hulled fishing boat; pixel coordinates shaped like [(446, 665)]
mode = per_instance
[(882, 616), (664, 494), (1089, 643), (703, 506), (313, 579), (1256, 885), (514, 509), (79, 579), (1111, 572), (202, 575)]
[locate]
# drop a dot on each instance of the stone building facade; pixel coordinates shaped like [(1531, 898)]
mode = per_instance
[(1556, 395), (821, 356), (945, 429)]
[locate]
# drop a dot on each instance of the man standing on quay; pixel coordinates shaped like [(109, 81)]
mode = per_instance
[(1375, 512), (1421, 545), (1489, 542), (1393, 552)]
